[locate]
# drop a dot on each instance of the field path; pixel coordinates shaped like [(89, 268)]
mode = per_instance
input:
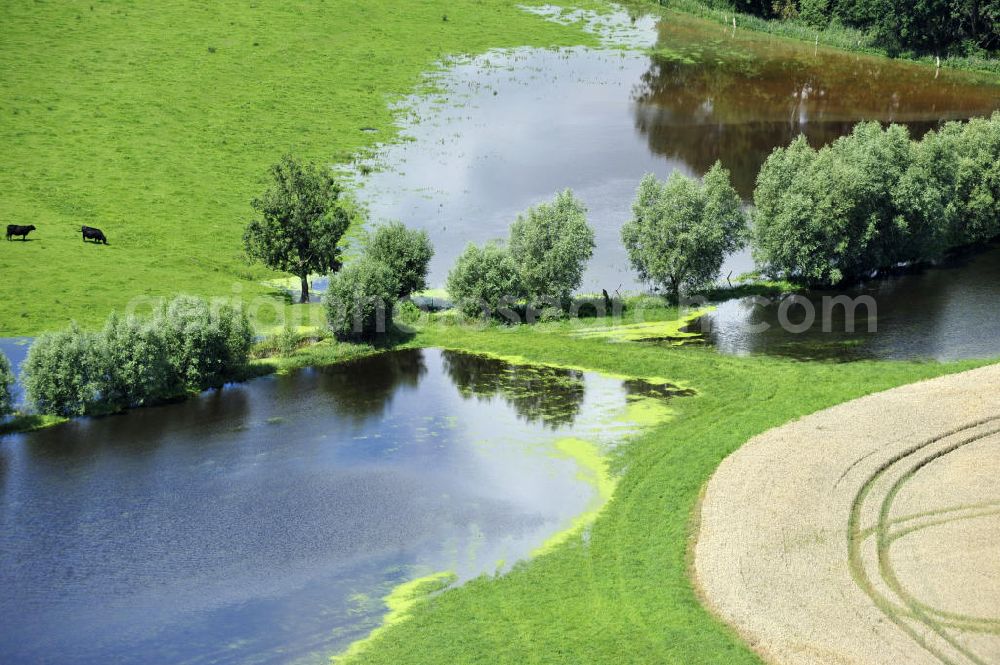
[(868, 533)]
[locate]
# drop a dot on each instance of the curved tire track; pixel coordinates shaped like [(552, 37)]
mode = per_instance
[(802, 529)]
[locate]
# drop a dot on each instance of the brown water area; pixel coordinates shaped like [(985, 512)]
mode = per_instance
[(735, 99)]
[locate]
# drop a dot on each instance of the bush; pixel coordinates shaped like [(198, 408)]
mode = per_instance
[(551, 245), (681, 230), (287, 341), (825, 216), (815, 12), (205, 346), (406, 252), (62, 373), (132, 359), (875, 199), (6, 387), (360, 299), (484, 279), (185, 346)]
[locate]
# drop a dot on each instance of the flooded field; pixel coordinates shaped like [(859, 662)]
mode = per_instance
[(509, 129), (266, 522)]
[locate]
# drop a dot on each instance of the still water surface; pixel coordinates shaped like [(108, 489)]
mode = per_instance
[(265, 522), (949, 312), (16, 350), (512, 128)]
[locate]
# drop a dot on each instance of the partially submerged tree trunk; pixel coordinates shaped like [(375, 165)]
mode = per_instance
[(304, 298)]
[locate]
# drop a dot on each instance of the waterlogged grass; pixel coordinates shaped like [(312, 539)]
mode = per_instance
[(156, 122), (27, 422), (619, 590), (670, 330), (326, 351), (835, 35)]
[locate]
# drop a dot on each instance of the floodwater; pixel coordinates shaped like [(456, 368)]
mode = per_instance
[(948, 312), (265, 522), (513, 128)]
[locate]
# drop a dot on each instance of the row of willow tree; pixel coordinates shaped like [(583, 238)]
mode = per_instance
[(871, 201), (680, 232), (185, 346)]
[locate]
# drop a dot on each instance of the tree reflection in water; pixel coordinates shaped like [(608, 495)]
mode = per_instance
[(735, 101), (548, 395), (357, 394)]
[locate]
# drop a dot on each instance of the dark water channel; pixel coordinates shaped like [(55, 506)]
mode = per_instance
[(265, 523), (513, 128), (948, 312)]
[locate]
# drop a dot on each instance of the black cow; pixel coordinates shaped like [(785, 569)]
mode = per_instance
[(90, 233), (17, 230)]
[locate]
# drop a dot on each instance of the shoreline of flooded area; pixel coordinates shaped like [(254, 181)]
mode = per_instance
[(266, 521), (507, 130)]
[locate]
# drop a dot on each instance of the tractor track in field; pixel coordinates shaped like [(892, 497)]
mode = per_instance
[(866, 533), (899, 604)]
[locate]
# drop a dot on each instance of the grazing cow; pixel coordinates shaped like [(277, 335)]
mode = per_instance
[(17, 230), (90, 233)]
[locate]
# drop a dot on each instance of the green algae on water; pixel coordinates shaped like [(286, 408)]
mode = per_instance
[(399, 602)]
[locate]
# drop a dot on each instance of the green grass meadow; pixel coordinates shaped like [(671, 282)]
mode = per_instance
[(156, 122)]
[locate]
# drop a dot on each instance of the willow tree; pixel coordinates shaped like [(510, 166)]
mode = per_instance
[(681, 230), (551, 244), (484, 280), (827, 216), (301, 218), (406, 252)]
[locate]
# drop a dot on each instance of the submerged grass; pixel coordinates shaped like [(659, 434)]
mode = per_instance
[(836, 35), (620, 592), (399, 602), (593, 470)]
